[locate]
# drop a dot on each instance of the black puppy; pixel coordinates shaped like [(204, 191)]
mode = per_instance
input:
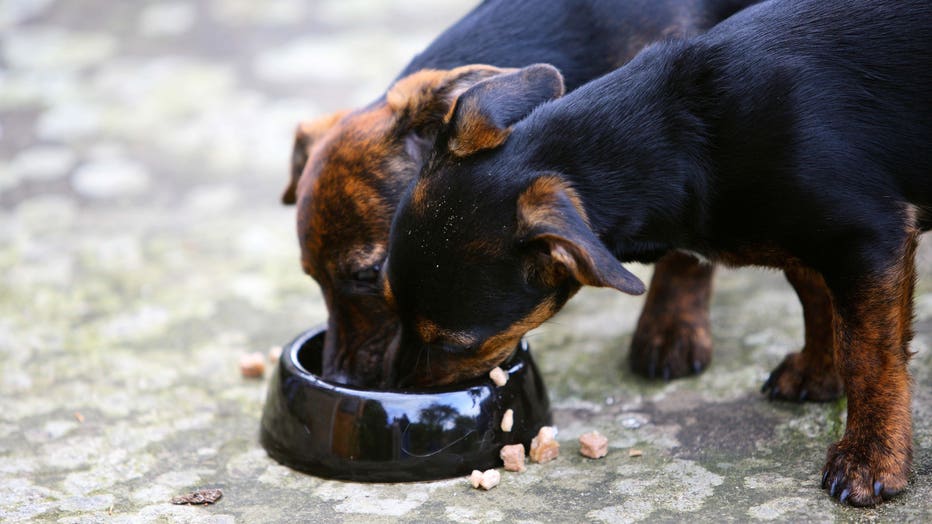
[(797, 134), (350, 169)]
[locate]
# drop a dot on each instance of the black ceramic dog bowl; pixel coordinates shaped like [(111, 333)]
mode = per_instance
[(341, 432)]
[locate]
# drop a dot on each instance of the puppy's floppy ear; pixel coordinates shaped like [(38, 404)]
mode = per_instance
[(305, 135), (483, 115), (551, 216), (421, 100)]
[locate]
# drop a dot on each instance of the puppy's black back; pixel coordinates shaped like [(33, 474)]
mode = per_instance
[(821, 107), (582, 38), (828, 77)]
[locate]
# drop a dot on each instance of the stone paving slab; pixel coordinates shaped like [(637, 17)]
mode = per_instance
[(143, 147)]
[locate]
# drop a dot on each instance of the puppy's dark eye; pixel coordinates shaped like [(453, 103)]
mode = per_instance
[(369, 275)]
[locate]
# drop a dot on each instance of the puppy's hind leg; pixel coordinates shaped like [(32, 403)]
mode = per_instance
[(809, 374), (672, 338)]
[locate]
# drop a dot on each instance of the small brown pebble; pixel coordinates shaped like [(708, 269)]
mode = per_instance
[(635, 452), (475, 478), (543, 447), (275, 353), (201, 496), (508, 420), (593, 445), (252, 365), (513, 457), (498, 376), (490, 479), (79, 417)]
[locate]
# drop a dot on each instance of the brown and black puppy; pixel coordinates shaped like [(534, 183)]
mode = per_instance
[(796, 135), (350, 168)]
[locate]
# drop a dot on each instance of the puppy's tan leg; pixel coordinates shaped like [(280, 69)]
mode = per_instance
[(672, 338), (872, 460), (809, 374)]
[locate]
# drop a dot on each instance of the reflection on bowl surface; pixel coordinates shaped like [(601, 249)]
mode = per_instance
[(342, 432)]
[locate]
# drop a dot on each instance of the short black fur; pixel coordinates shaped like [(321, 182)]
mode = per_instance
[(796, 134)]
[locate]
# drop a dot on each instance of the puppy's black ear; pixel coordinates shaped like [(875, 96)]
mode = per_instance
[(484, 113), (551, 216), (305, 135)]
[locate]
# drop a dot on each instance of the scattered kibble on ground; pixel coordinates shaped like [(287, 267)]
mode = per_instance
[(513, 457), (486, 480), (252, 365), (593, 445), (544, 447), (635, 452), (490, 479)]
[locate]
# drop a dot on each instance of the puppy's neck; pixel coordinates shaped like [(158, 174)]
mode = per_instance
[(635, 152)]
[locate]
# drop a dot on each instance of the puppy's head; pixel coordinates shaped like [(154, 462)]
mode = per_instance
[(484, 248), (348, 172)]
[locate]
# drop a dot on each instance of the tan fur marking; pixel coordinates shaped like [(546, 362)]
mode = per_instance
[(436, 89), (498, 347), (538, 207), (419, 194), (406, 93), (387, 293), (538, 202), (306, 134), (431, 332), (873, 333), (447, 369), (475, 133)]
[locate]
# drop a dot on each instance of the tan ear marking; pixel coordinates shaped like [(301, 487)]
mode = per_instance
[(541, 198), (549, 211), (476, 133)]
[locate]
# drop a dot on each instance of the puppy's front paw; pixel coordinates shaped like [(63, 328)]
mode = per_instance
[(800, 379), (666, 346), (866, 474)]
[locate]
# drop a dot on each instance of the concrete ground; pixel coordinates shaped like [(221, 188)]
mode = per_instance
[(143, 147)]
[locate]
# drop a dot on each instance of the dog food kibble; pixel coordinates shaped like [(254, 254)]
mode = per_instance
[(490, 479), (634, 452), (508, 420), (252, 365), (498, 376), (513, 457), (475, 478), (275, 353), (543, 447), (593, 445)]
